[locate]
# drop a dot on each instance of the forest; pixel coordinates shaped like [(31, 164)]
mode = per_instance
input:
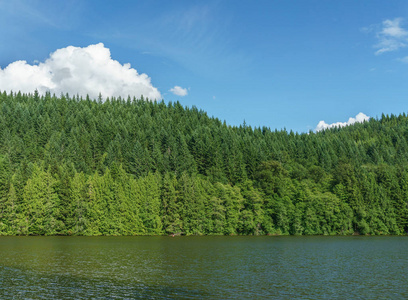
[(78, 166)]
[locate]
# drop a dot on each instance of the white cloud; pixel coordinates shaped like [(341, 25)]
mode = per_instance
[(360, 118), (74, 70), (179, 91), (404, 59), (392, 28), (391, 37)]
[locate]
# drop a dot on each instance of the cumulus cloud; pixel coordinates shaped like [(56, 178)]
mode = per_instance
[(74, 70), (360, 118), (391, 36), (179, 91)]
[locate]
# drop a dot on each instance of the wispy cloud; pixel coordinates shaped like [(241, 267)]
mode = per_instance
[(38, 12), (360, 118), (195, 36), (404, 59), (84, 71), (179, 91), (391, 36)]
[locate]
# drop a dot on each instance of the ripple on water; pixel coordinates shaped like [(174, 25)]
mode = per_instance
[(203, 267)]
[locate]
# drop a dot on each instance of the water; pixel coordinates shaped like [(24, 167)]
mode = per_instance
[(203, 267)]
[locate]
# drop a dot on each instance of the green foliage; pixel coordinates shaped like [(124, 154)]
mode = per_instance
[(75, 166)]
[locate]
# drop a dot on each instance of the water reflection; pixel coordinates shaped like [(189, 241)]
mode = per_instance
[(203, 267), (19, 284)]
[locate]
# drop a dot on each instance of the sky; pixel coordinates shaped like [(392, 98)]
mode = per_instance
[(297, 65)]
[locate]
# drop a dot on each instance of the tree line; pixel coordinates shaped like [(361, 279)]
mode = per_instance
[(75, 166)]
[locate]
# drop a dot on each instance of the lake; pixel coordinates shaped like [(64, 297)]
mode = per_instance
[(207, 267)]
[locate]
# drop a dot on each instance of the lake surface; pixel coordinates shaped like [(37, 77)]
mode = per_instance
[(218, 267)]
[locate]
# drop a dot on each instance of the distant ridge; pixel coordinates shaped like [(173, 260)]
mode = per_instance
[(75, 166)]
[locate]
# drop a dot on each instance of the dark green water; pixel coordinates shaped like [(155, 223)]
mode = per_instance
[(203, 267)]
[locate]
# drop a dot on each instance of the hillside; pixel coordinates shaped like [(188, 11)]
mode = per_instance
[(131, 167)]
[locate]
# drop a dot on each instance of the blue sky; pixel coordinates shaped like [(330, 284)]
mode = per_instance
[(280, 64)]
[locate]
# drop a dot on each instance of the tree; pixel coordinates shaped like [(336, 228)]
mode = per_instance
[(41, 204), (170, 210)]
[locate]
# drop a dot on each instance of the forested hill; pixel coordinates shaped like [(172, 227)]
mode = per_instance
[(126, 167)]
